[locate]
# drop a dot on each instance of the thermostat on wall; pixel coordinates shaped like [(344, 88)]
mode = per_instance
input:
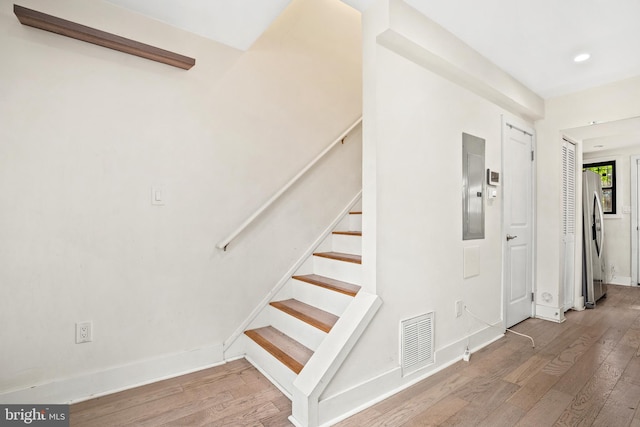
[(493, 177)]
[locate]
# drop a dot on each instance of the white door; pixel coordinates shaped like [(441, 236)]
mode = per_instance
[(518, 223)]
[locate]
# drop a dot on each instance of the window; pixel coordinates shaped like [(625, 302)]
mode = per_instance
[(607, 172)]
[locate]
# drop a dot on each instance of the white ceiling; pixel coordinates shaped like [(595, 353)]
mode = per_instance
[(236, 23), (607, 136), (536, 40), (533, 40)]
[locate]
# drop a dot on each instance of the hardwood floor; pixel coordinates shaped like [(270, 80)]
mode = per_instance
[(234, 394), (585, 371)]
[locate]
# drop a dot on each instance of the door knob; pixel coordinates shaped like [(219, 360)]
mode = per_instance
[(510, 237)]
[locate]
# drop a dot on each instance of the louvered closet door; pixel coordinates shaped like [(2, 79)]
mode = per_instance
[(568, 221)]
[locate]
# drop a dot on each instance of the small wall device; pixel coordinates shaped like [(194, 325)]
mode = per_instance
[(493, 177)]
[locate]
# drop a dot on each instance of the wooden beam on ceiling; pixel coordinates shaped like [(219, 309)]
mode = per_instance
[(57, 25)]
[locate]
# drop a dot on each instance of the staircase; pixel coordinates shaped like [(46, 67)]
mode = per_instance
[(291, 328)]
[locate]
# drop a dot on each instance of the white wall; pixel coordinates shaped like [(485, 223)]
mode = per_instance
[(419, 227), (86, 131), (415, 119), (374, 21), (615, 101), (618, 227)]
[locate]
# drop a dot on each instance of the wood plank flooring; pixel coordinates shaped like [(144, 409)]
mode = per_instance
[(583, 372), (234, 394)]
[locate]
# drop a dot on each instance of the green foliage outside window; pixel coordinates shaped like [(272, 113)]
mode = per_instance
[(607, 173)]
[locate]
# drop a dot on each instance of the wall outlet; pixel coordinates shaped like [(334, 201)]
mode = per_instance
[(84, 332), (458, 308)]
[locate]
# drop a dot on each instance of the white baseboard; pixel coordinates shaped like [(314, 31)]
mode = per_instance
[(113, 380), (342, 405), (620, 280), (553, 314)]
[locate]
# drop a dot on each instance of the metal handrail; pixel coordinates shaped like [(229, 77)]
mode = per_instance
[(224, 243)]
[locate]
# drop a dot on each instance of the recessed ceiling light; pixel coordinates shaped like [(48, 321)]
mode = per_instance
[(598, 146), (582, 57)]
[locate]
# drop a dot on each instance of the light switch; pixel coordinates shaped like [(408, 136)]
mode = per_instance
[(157, 195)]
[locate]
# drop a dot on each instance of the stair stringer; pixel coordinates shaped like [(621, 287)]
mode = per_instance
[(327, 359), (234, 347)]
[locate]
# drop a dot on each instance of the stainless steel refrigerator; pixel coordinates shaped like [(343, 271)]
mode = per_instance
[(593, 266)]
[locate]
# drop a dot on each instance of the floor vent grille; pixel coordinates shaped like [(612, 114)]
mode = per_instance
[(417, 343)]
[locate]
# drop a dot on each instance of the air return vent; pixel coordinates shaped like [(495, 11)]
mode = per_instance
[(417, 343)]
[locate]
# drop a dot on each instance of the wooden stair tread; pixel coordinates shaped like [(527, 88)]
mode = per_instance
[(349, 233), (356, 259), (284, 348), (329, 283), (315, 317), (355, 213)]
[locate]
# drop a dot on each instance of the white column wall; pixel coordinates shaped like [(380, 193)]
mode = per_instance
[(416, 119)]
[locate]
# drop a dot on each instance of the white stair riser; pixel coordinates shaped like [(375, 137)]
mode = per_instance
[(262, 319), (272, 367), (340, 270), (355, 222), (343, 225), (307, 265), (347, 244), (307, 335), (325, 299), (285, 292)]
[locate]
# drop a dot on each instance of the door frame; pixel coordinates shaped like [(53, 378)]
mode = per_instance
[(520, 125), (634, 218)]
